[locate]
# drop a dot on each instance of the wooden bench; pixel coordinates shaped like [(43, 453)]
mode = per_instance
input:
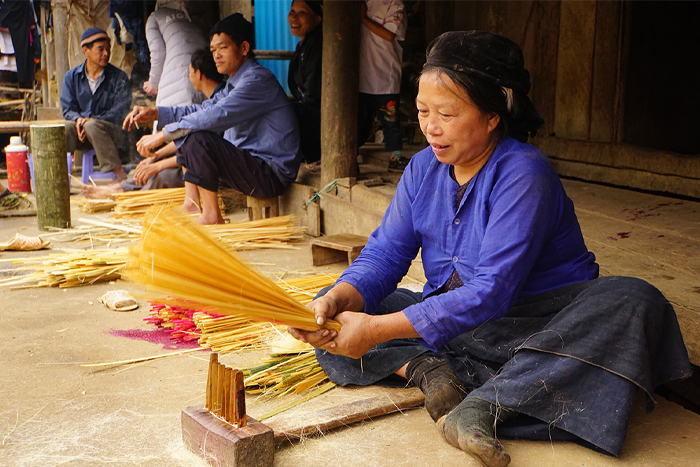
[(337, 248)]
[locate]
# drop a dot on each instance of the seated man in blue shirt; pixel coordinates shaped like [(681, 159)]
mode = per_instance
[(95, 98), (257, 154)]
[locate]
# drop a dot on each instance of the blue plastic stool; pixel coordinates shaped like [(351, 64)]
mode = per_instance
[(89, 168), (31, 168)]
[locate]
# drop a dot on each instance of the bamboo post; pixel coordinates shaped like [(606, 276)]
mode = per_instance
[(220, 390), (213, 361), (60, 27), (51, 176), (239, 400), (227, 395), (339, 90)]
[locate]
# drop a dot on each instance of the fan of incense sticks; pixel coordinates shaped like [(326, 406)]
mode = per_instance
[(226, 334), (180, 258)]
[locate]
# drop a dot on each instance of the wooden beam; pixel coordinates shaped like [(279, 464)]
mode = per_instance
[(623, 165), (60, 26), (575, 69), (17, 126), (605, 71), (339, 90)]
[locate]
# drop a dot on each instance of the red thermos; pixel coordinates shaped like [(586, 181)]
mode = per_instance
[(18, 177)]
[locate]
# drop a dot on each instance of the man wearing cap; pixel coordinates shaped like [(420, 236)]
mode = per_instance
[(95, 98), (257, 154)]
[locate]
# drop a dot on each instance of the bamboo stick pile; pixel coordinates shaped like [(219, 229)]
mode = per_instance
[(93, 206), (178, 257), (266, 233), (136, 203), (278, 375), (71, 268)]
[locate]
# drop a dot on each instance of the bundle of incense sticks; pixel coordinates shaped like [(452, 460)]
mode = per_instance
[(136, 203), (225, 334), (71, 268), (178, 257)]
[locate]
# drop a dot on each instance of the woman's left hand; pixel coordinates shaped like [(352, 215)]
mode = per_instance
[(355, 337)]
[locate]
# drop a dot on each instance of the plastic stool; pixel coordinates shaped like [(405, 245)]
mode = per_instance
[(88, 168), (31, 168)]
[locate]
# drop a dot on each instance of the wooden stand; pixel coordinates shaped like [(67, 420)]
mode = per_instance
[(221, 433), (262, 208), (221, 444), (337, 248)]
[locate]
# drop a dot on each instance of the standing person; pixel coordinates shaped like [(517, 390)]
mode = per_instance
[(160, 169), (304, 79), (257, 154), (383, 26), (18, 17), (514, 330), (172, 38), (95, 98)]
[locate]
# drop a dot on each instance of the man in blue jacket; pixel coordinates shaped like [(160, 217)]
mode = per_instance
[(258, 153), (95, 98)]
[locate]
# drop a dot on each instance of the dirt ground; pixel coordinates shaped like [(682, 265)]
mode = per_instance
[(54, 412)]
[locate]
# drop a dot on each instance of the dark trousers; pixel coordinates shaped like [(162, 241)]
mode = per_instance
[(18, 16), (386, 108), (309, 118), (569, 360), (102, 136), (209, 159)]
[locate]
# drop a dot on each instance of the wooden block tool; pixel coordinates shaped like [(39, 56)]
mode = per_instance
[(221, 432)]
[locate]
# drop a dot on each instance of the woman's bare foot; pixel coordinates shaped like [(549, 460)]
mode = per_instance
[(210, 220), (470, 427), (101, 192)]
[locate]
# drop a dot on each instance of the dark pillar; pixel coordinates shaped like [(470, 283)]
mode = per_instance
[(341, 43)]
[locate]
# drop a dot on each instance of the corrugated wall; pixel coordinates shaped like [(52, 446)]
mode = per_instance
[(272, 33)]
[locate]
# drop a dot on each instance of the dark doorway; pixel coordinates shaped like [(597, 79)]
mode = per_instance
[(662, 100)]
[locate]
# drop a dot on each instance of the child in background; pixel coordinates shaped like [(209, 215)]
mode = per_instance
[(383, 26)]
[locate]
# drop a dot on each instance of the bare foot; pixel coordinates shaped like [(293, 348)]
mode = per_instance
[(119, 175), (474, 440), (210, 220), (101, 192), (189, 206)]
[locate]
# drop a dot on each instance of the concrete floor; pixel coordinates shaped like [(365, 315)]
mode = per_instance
[(55, 412)]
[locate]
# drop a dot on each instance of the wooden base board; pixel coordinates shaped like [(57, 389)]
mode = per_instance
[(222, 445), (295, 426)]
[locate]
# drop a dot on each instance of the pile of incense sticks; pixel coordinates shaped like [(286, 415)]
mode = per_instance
[(179, 258), (71, 268), (132, 204)]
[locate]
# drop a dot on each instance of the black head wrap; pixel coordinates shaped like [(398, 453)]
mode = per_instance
[(315, 5), (492, 59), (235, 25)]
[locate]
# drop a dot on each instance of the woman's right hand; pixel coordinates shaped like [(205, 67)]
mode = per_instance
[(324, 309)]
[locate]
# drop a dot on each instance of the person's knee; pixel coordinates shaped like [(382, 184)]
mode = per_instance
[(633, 288)]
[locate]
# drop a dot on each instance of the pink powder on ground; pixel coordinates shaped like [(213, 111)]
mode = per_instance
[(157, 336)]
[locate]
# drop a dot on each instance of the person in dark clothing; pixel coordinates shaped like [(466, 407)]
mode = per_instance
[(96, 97), (160, 169), (305, 22), (18, 17), (514, 330)]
